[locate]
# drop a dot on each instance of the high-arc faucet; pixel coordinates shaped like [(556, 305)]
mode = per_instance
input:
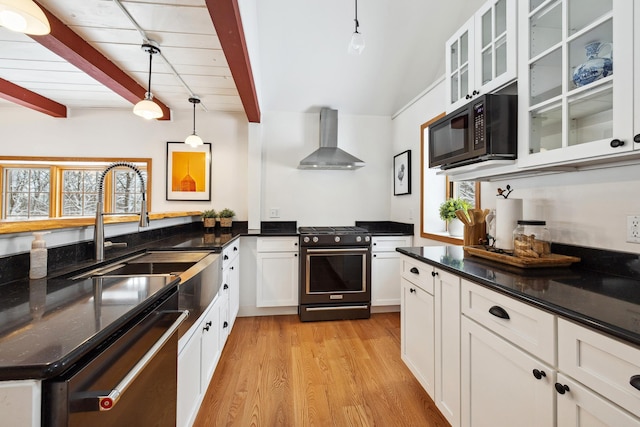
[(98, 233)]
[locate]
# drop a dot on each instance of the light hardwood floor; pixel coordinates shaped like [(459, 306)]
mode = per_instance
[(278, 371)]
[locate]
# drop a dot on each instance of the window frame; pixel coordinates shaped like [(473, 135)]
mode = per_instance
[(57, 165)]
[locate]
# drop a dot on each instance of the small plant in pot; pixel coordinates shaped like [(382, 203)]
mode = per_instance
[(448, 210), (226, 217), (209, 218)]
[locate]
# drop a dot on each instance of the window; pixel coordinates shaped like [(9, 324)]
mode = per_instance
[(58, 188)]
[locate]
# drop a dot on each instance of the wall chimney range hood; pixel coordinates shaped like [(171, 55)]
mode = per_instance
[(329, 156)]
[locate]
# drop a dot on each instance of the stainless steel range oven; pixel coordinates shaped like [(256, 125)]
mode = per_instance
[(335, 273)]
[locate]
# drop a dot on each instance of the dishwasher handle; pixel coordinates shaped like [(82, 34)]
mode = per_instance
[(105, 401)]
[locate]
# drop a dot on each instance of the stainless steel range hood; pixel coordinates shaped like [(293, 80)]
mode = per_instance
[(329, 156)]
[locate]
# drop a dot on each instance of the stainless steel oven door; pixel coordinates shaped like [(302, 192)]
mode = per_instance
[(335, 275)]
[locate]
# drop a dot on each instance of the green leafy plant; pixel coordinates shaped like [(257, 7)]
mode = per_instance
[(209, 213), (226, 213), (449, 207)]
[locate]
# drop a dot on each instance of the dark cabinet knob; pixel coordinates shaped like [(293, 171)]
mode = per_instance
[(434, 273), (375, 256), (635, 381), (295, 254), (539, 374), (475, 92), (235, 248), (636, 138), (414, 270), (207, 326), (295, 244), (225, 257), (500, 312), (225, 286), (375, 244), (225, 324), (616, 143), (468, 96), (562, 388), (413, 291), (231, 268)]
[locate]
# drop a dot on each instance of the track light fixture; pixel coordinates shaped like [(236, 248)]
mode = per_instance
[(23, 16), (193, 139), (147, 108), (356, 44)]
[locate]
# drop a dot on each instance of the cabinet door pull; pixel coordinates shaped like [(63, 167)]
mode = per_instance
[(225, 257), (414, 270), (616, 143), (225, 324), (635, 381), (413, 291), (539, 374), (562, 388), (500, 312), (475, 92), (225, 286), (636, 138), (434, 273)]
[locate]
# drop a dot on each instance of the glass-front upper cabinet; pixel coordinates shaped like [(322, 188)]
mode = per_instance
[(571, 103), (481, 55)]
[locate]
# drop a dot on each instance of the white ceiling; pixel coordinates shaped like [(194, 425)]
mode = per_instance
[(301, 47)]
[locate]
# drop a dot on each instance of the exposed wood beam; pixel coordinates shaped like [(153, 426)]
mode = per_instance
[(225, 15), (21, 96), (75, 50)]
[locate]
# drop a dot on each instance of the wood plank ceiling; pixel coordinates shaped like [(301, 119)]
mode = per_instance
[(93, 58)]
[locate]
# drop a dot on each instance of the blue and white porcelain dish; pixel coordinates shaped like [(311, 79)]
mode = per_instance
[(596, 67)]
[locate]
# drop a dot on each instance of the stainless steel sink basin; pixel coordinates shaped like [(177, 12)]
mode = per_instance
[(160, 263)]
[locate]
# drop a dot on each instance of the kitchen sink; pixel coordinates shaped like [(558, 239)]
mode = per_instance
[(157, 263)]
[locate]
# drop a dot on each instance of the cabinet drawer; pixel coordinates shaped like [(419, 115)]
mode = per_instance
[(525, 326), (278, 244), (603, 364), (418, 273), (230, 252), (390, 243)]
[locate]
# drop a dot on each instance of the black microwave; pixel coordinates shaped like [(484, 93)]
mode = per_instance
[(484, 129)]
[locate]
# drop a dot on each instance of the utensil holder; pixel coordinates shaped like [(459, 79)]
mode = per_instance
[(474, 234)]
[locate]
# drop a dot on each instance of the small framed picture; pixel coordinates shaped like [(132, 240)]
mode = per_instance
[(402, 173), (188, 172)]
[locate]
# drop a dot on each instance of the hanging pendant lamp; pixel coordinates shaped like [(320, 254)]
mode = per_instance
[(147, 108), (356, 44), (23, 16), (193, 139)]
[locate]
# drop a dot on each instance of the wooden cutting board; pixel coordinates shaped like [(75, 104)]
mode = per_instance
[(553, 260)]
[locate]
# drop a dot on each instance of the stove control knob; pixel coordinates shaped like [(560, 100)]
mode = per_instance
[(306, 239), (337, 239), (367, 238), (358, 239), (315, 239)]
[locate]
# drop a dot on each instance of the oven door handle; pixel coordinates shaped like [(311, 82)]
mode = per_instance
[(99, 401), (325, 250)]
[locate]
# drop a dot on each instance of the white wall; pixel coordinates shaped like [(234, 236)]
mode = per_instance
[(118, 133), (325, 197), (587, 208)]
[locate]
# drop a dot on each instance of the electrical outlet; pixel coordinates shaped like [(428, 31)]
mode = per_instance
[(275, 213), (633, 229)]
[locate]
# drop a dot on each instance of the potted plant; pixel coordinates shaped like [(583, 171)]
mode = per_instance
[(226, 217), (448, 213), (209, 218)]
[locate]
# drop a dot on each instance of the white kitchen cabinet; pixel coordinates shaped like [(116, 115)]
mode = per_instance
[(447, 345), (481, 56), (580, 407), (560, 122), (385, 269), (231, 283), (601, 363), (277, 271), (20, 403), (189, 384), (212, 330), (498, 384)]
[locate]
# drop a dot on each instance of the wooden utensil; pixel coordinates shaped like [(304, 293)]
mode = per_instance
[(462, 216)]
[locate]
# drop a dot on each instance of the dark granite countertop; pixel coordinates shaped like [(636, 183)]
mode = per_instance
[(46, 325), (601, 300)]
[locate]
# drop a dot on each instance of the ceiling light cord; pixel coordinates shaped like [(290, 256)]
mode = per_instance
[(356, 43), (194, 140), (148, 40)]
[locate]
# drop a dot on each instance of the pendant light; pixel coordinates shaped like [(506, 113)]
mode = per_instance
[(193, 139), (23, 16), (147, 108), (356, 44)]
